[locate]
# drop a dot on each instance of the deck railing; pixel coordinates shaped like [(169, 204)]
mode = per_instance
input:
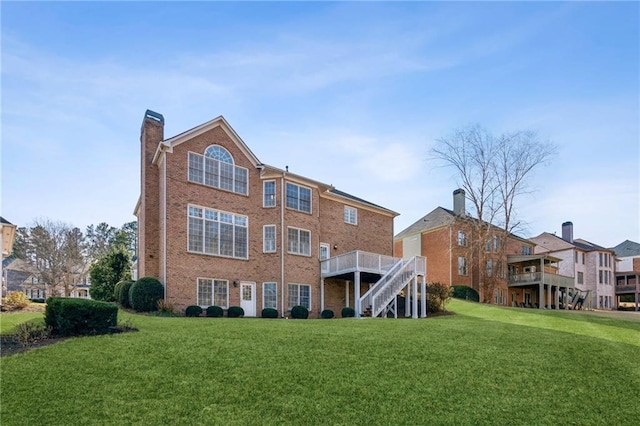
[(537, 277), (621, 289), (357, 261)]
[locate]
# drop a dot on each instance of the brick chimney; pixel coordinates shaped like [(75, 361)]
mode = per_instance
[(459, 202), (567, 232), (151, 134)]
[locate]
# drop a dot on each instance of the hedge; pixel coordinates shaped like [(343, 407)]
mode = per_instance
[(193, 311), (80, 317), (235, 312), (269, 313), (145, 293), (465, 292), (348, 312), (327, 314), (215, 312), (121, 293), (299, 312)]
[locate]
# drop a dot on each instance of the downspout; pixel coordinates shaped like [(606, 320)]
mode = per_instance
[(450, 259), (282, 242), (164, 226)]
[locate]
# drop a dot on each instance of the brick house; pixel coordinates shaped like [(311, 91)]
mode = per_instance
[(218, 227), (591, 266), (628, 272), (504, 269)]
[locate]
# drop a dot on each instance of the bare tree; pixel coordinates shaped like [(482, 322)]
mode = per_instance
[(57, 251), (494, 172), (99, 239)]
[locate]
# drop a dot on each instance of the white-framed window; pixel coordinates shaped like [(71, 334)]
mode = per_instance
[(299, 241), (299, 294), (217, 233), (350, 215), (216, 169), (489, 267), (526, 250), (496, 297), (270, 295), (269, 238), (580, 277), (462, 265), (298, 197), (325, 250), (462, 239), (269, 193), (213, 292)]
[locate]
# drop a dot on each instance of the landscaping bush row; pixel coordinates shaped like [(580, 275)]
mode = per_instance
[(78, 317)]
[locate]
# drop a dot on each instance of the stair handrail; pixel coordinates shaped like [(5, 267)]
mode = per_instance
[(365, 299), (392, 286)]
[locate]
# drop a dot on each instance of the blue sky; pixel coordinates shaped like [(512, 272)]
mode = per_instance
[(353, 94)]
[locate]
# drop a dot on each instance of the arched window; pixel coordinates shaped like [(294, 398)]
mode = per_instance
[(216, 168), (218, 153)]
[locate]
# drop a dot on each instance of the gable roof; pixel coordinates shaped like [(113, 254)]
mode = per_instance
[(436, 218), (219, 121), (547, 242), (627, 248)]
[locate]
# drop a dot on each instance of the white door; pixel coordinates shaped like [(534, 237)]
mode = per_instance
[(248, 298)]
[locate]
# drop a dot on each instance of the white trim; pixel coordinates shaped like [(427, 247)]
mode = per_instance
[(275, 191), (213, 298), (233, 223), (264, 238), (252, 284), (203, 183), (275, 284), (299, 253), (328, 247), (298, 295), (284, 190), (349, 213)]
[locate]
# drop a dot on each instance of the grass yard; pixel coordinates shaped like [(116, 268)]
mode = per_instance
[(484, 365)]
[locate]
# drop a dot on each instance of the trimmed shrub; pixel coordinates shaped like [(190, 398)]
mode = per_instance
[(348, 312), (235, 312), (465, 292), (215, 312), (193, 311), (15, 300), (122, 293), (79, 317), (438, 295), (269, 313), (32, 331), (299, 312), (327, 314), (145, 293)]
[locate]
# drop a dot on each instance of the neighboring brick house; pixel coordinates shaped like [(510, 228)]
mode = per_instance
[(218, 227), (591, 266), (628, 272), (509, 275)]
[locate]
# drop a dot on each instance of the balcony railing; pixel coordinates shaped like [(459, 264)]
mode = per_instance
[(357, 261), (622, 289), (537, 278)]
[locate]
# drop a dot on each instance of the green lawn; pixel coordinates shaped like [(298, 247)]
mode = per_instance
[(484, 365)]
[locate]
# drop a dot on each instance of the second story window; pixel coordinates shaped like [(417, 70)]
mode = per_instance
[(580, 278), (350, 215), (269, 193), (269, 239), (299, 241), (462, 239), (216, 169), (526, 250), (217, 233), (298, 198), (462, 265)]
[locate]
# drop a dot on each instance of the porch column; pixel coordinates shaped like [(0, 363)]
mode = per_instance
[(541, 295), (407, 305), (423, 298), (321, 294), (557, 298), (637, 293), (414, 314), (356, 294), (395, 308), (549, 295), (346, 293)]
